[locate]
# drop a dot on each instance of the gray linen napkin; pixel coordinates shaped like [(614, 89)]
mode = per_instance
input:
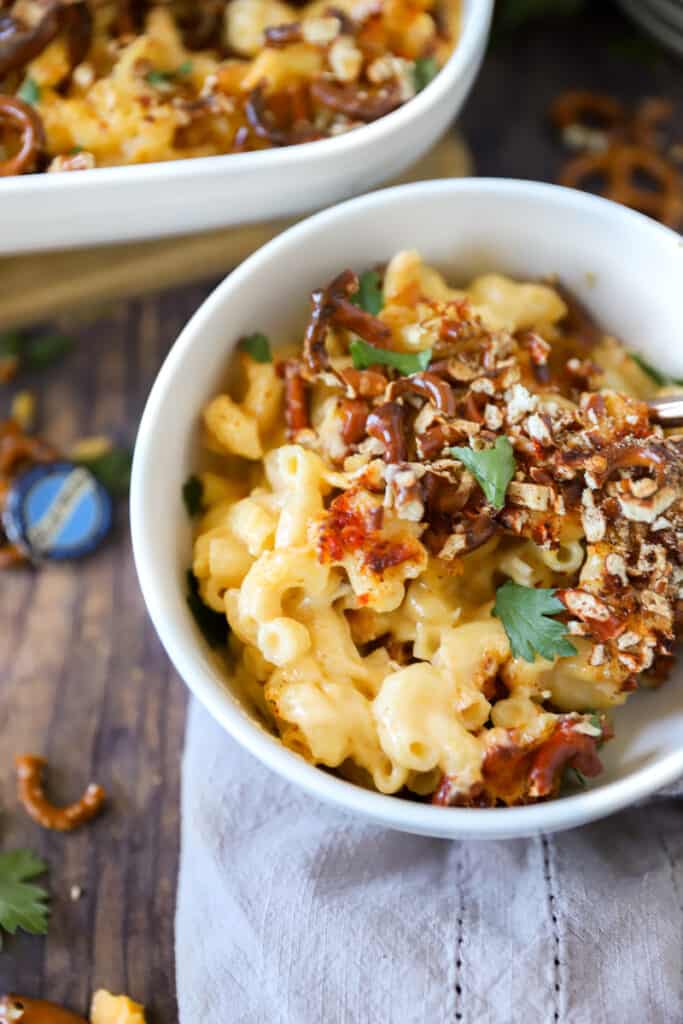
[(290, 912)]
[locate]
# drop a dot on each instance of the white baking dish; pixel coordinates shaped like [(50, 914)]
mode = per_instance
[(117, 204)]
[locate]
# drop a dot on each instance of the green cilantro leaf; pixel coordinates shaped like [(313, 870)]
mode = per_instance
[(493, 468), (258, 347), (599, 721), (158, 77), (425, 70), (193, 495), (659, 378), (572, 776), (112, 470), (213, 625), (34, 353), (29, 91), (45, 350), (370, 295), (365, 355), (10, 354), (524, 613), (10, 343), (22, 905)]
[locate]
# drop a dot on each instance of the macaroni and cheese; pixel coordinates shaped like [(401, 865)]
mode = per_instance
[(91, 84), (443, 532)]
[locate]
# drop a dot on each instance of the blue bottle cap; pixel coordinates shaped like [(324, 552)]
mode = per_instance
[(57, 511)]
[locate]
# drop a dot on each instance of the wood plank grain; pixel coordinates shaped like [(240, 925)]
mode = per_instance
[(84, 681), (43, 285), (505, 121), (83, 678)]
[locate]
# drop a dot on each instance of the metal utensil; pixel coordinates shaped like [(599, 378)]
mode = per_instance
[(668, 411)]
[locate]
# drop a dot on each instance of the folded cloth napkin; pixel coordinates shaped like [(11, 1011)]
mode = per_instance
[(290, 912)]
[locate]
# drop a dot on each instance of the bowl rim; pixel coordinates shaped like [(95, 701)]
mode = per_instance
[(476, 19), (453, 822)]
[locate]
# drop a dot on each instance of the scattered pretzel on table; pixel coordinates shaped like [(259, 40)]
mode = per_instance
[(619, 166), (32, 795), (600, 117), (609, 119), (650, 116), (624, 146)]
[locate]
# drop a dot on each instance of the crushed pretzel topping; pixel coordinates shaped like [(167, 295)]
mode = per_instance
[(478, 471)]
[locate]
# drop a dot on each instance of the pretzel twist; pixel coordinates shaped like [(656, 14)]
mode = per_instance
[(618, 166), (579, 106), (19, 116)]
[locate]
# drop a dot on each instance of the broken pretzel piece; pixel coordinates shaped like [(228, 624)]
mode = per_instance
[(16, 1009), (59, 819), (588, 120), (623, 149)]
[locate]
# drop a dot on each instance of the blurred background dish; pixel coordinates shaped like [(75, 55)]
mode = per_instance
[(41, 285), (670, 10), (117, 204), (662, 19)]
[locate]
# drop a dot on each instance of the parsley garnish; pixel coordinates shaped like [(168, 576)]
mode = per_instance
[(22, 905), (29, 91), (369, 296), (258, 347), (524, 613), (34, 353), (657, 376), (10, 343), (598, 721), (42, 351), (158, 77), (193, 495), (213, 625), (112, 470), (425, 70), (365, 355), (493, 468), (573, 776), (10, 349)]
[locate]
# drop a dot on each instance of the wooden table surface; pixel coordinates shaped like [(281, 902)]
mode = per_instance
[(83, 679)]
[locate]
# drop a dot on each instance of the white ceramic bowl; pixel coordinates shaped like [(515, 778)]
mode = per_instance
[(628, 269), (118, 204)]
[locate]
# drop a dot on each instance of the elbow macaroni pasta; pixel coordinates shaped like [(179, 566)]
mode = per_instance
[(171, 79), (374, 655)]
